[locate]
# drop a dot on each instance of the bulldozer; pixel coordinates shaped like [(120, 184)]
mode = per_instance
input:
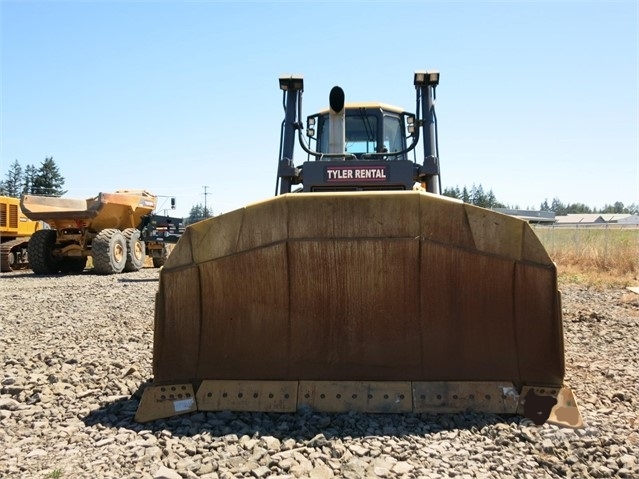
[(117, 230), (359, 287), (15, 231)]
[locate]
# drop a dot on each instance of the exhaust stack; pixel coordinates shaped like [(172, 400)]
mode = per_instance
[(336, 121)]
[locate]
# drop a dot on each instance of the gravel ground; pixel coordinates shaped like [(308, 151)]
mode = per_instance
[(76, 350)]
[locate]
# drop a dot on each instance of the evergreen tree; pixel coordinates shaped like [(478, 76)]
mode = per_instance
[(558, 207), (616, 208), (494, 202), (452, 192), (578, 208), (12, 186), (477, 196), (198, 213), (632, 209), (545, 206), (48, 181), (28, 178), (465, 196)]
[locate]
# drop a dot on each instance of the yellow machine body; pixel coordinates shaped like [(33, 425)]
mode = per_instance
[(359, 287), (15, 231), (122, 209), (104, 227)]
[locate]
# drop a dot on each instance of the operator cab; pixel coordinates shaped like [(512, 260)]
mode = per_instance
[(370, 128), (359, 146)]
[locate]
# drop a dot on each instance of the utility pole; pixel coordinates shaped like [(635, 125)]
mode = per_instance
[(206, 211)]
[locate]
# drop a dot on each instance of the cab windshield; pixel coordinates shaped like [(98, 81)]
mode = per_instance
[(367, 131)]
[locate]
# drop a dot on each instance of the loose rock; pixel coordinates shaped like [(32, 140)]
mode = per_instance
[(76, 350)]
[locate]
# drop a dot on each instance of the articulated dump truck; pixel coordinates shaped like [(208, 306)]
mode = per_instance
[(358, 287), (117, 230)]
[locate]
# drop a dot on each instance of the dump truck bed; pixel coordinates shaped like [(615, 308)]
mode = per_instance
[(107, 210)]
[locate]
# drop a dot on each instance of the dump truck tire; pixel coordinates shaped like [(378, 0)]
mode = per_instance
[(158, 261), (73, 265), (40, 252), (135, 254), (109, 251)]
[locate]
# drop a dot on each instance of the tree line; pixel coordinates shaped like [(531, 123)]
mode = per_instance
[(476, 195), (45, 180), (562, 209)]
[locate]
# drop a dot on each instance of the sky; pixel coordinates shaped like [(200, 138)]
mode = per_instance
[(537, 99)]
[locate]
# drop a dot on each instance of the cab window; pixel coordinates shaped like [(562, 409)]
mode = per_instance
[(361, 133), (393, 134)]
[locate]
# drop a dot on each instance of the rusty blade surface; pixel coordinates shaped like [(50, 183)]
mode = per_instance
[(383, 286)]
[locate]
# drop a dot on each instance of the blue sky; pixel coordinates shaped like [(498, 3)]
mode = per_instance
[(537, 99)]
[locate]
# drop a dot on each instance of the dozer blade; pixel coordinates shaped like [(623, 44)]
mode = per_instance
[(452, 306)]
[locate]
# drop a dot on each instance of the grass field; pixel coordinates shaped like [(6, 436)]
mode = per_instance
[(596, 256)]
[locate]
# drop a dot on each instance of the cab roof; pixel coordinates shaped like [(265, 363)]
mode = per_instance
[(371, 105)]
